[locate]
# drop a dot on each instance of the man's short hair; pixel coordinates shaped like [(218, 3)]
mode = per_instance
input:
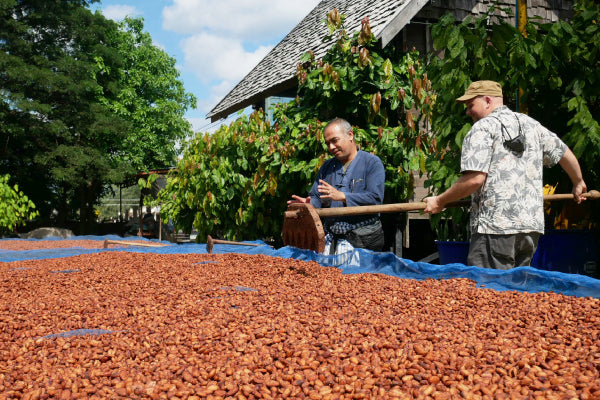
[(341, 123)]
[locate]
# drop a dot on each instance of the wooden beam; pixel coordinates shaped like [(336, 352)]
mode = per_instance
[(400, 20)]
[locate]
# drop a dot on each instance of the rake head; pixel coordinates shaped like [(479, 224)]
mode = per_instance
[(302, 228)]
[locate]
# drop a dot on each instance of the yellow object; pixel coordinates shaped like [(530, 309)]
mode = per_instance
[(572, 215), (548, 189)]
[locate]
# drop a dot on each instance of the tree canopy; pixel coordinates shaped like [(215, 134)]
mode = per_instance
[(555, 68), (152, 99), (235, 182), (73, 87), (15, 207)]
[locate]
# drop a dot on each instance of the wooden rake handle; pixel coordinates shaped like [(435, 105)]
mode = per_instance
[(210, 243), (404, 207), (136, 243)]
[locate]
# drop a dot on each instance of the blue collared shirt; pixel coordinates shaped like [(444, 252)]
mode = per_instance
[(363, 183)]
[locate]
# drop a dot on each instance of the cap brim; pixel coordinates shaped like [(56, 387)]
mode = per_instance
[(466, 97)]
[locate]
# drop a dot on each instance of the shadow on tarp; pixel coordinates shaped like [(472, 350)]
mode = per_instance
[(79, 332), (524, 279)]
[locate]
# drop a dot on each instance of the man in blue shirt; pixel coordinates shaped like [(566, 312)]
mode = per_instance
[(351, 178)]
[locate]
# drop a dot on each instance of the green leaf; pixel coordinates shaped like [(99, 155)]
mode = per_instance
[(388, 69)]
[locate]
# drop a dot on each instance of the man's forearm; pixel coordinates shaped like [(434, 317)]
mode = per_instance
[(465, 186), (569, 163), (571, 166)]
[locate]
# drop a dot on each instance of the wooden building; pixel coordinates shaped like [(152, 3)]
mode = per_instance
[(406, 23)]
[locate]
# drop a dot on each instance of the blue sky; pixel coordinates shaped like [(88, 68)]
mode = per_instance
[(215, 43)]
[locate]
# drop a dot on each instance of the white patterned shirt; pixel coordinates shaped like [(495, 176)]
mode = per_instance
[(511, 198)]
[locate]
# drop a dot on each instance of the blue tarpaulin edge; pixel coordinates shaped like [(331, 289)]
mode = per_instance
[(524, 279)]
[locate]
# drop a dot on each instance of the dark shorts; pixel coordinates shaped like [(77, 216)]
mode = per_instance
[(502, 251)]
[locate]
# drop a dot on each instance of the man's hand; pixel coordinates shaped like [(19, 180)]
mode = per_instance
[(465, 186), (578, 190), (329, 192), (298, 199), (432, 205)]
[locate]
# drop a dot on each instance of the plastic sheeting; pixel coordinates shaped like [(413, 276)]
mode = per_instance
[(525, 279), (78, 332)]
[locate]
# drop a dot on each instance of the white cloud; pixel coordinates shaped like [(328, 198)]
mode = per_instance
[(218, 91), (118, 12), (217, 58), (248, 20), (159, 45), (215, 93), (223, 40)]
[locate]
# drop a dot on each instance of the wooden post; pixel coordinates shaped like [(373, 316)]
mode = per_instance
[(521, 21)]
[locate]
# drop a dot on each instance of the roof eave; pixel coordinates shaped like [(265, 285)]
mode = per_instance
[(271, 91), (400, 20)]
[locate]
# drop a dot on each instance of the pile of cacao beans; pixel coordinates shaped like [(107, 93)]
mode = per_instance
[(120, 325)]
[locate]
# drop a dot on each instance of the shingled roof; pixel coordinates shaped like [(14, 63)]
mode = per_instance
[(276, 72)]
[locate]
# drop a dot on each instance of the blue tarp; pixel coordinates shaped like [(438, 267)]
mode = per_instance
[(525, 279)]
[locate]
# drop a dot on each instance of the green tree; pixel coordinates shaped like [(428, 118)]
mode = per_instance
[(80, 106), (555, 65), (15, 207), (236, 182), (219, 179), (57, 136), (152, 99)]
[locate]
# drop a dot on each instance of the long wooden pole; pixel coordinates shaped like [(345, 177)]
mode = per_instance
[(136, 243), (382, 208), (521, 23), (403, 207)]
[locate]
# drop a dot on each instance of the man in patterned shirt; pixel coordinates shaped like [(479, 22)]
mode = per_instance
[(502, 159), (352, 177)]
